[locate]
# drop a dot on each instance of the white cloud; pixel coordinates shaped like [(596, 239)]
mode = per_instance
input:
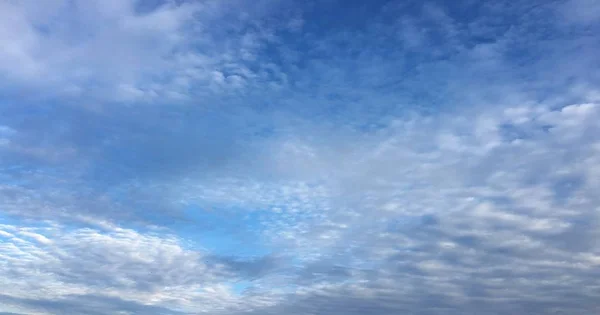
[(37, 237), (102, 51), (506, 209), (145, 269)]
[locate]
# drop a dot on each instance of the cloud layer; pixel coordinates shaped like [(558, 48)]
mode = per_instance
[(185, 157)]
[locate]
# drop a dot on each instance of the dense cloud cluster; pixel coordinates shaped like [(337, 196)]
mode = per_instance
[(191, 157)]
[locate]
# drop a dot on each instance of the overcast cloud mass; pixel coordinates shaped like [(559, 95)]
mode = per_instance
[(321, 157)]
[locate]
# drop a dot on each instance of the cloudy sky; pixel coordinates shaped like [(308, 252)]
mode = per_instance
[(317, 157)]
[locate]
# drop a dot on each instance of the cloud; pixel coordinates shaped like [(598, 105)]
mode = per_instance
[(56, 269), (87, 304), (125, 51), (581, 11), (483, 219), (183, 157), (64, 43)]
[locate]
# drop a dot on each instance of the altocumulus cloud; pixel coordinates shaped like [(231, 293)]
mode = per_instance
[(277, 157)]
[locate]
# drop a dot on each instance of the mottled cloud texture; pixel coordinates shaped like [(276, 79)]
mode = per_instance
[(310, 158)]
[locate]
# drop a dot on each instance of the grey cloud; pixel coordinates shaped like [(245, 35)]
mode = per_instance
[(323, 272), (103, 271), (87, 304), (254, 268)]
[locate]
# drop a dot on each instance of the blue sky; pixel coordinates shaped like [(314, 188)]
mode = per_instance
[(299, 157)]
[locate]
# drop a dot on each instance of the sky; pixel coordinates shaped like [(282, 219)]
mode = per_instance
[(318, 157)]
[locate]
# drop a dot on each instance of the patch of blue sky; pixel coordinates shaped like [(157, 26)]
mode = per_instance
[(226, 232), (16, 221), (240, 287)]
